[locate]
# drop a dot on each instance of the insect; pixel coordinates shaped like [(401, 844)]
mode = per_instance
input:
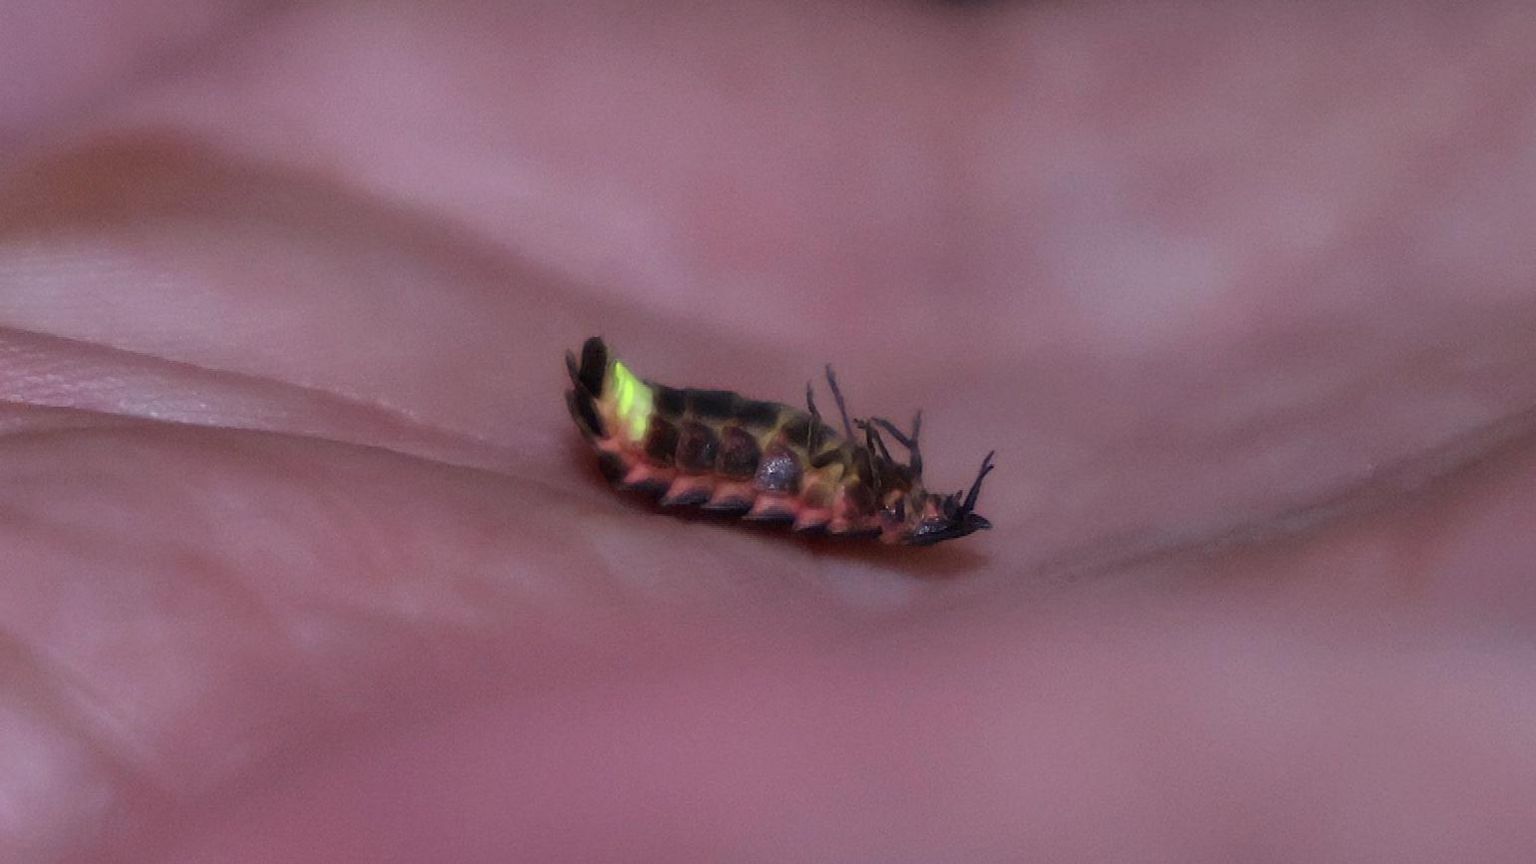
[(762, 460)]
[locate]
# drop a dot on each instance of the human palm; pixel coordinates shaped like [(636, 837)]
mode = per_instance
[(305, 561)]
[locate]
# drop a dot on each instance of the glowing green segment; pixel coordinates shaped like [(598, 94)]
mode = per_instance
[(632, 399)]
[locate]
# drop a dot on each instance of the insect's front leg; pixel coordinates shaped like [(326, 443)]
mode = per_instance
[(916, 456), (811, 433), (842, 407), (872, 446), (872, 439)]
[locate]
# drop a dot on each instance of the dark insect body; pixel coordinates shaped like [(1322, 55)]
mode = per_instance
[(762, 460)]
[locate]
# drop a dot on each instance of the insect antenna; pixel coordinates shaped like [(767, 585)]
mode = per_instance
[(970, 497)]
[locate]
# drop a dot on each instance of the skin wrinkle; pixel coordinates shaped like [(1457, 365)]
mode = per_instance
[(427, 647), (112, 63), (1407, 483), (638, 723), (138, 161), (141, 182), (225, 568), (66, 706), (74, 384), (115, 742)]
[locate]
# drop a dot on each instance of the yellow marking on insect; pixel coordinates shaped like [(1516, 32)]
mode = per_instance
[(632, 400)]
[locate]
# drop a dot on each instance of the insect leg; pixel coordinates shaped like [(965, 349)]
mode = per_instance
[(810, 434), (873, 440), (903, 439), (842, 407), (871, 443), (916, 462)]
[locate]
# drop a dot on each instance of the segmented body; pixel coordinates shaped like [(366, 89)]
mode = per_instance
[(762, 460)]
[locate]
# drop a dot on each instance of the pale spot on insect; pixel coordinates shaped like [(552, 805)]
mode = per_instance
[(771, 508), (779, 471), (810, 519), (687, 491)]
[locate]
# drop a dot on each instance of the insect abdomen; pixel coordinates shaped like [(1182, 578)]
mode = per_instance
[(716, 449)]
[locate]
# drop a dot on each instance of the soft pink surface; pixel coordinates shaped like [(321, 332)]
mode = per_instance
[(301, 558)]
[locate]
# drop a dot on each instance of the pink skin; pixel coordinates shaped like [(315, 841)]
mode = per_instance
[(303, 559)]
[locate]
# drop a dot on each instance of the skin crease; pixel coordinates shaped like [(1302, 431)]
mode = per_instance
[(304, 560)]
